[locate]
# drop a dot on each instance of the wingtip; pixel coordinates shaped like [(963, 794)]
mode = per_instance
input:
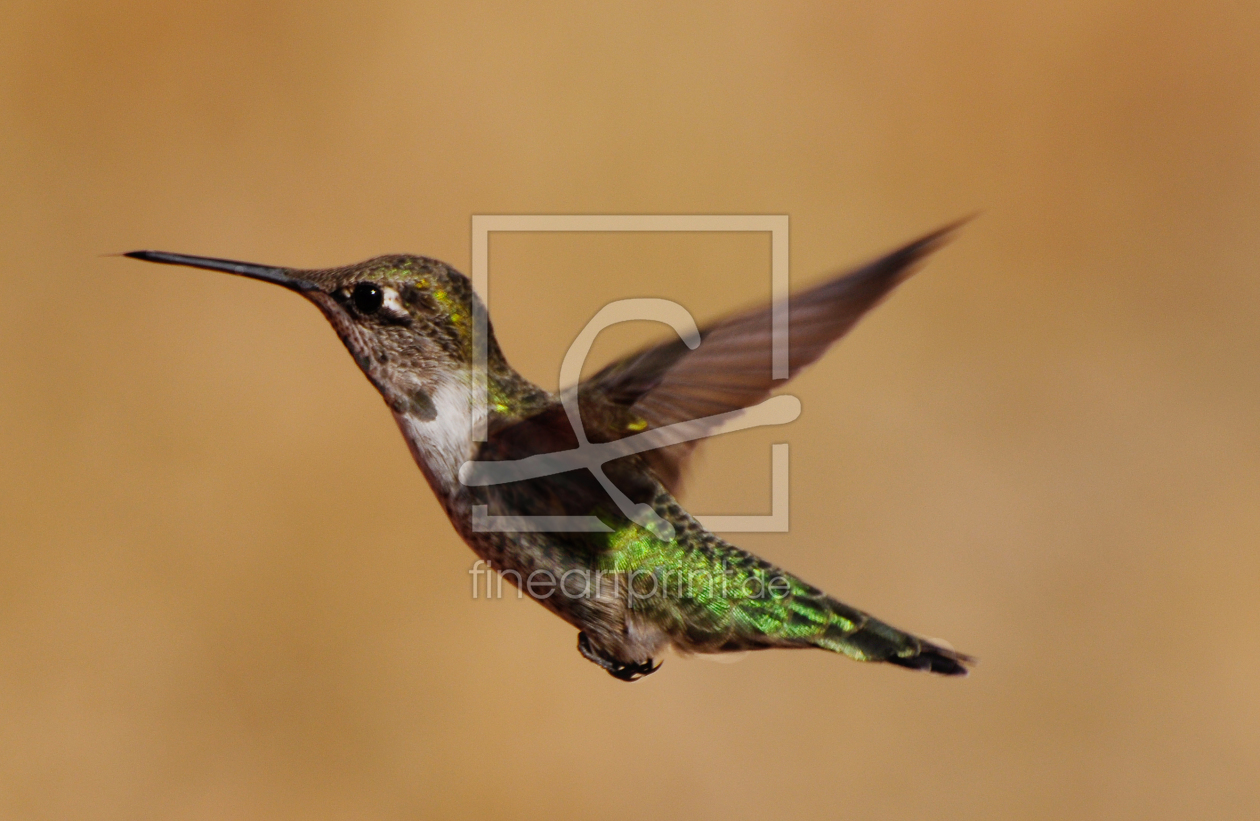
[(946, 233), (899, 265)]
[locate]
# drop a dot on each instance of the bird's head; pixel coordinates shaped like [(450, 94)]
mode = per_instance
[(407, 320)]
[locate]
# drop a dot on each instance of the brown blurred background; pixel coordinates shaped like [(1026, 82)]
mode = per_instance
[(226, 591)]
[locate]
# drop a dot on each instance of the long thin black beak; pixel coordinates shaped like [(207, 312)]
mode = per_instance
[(280, 276)]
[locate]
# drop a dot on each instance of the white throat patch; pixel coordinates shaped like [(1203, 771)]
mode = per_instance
[(444, 442)]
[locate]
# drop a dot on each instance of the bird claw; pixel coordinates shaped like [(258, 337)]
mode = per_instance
[(617, 669)]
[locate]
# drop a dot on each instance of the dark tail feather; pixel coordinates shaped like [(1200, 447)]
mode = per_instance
[(862, 637), (935, 660)]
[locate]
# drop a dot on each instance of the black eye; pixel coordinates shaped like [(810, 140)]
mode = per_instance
[(367, 297)]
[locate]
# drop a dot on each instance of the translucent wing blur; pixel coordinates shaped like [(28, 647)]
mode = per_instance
[(729, 370)]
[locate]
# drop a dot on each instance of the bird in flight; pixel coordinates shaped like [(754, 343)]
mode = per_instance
[(607, 548)]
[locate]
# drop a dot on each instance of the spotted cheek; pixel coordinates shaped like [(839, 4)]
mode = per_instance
[(360, 348), (349, 333), (358, 343)]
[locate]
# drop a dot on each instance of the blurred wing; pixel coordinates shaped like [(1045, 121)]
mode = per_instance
[(729, 370)]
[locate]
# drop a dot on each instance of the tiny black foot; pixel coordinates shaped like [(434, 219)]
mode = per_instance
[(616, 669)]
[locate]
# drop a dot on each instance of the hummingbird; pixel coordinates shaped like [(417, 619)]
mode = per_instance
[(646, 576)]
